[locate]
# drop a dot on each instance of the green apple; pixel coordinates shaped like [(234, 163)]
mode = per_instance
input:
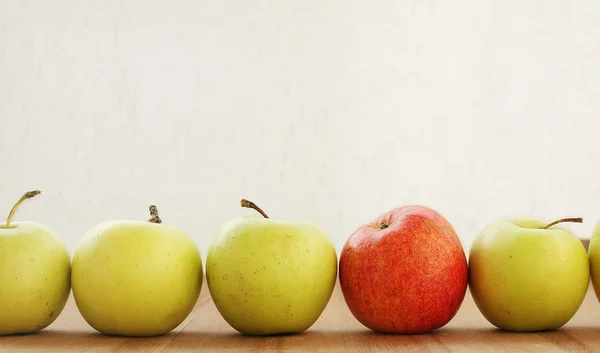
[(135, 278), (35, 268), (527, 275), (270, 276), (594, 259)]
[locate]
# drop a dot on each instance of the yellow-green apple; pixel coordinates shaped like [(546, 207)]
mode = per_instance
[(35, 268), (269, 276), (594, 259), (527, 274), (136, 278), (405, 272)]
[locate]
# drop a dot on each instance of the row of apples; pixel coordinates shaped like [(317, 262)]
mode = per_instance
[(405, 272)]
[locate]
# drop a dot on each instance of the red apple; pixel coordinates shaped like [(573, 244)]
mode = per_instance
[(405, 272)]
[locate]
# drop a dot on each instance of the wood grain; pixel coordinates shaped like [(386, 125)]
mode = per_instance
[(335, 331)]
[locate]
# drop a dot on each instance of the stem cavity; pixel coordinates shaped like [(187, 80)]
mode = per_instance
[(562, 220), (154, 218), (27, 195), (250, 204)]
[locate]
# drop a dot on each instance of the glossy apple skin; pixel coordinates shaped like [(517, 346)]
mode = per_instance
[(594, 260), (408, 278), (524, 278), (35, 282), (133, 278), (269, 276)]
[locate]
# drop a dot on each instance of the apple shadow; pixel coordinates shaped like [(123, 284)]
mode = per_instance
[(59, 340), (572, 339), (455, 339)]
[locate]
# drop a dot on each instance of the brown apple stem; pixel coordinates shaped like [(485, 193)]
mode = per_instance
[(250, 204), (570, 219), (27, 195), (154, 215)]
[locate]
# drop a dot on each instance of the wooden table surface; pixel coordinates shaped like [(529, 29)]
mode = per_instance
[(335, 331)]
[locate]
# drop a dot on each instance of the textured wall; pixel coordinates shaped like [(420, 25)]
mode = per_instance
[(329, 111)]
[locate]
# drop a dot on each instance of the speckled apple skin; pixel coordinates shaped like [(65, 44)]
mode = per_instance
[(135, 278), (35, 279), (408, 278), (271, 276)]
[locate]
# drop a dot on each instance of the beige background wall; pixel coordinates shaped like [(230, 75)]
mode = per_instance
[(328, 111)]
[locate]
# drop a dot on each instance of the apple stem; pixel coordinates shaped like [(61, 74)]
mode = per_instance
[(571, 219), (154, 215), (27, 195), (250, 204)]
